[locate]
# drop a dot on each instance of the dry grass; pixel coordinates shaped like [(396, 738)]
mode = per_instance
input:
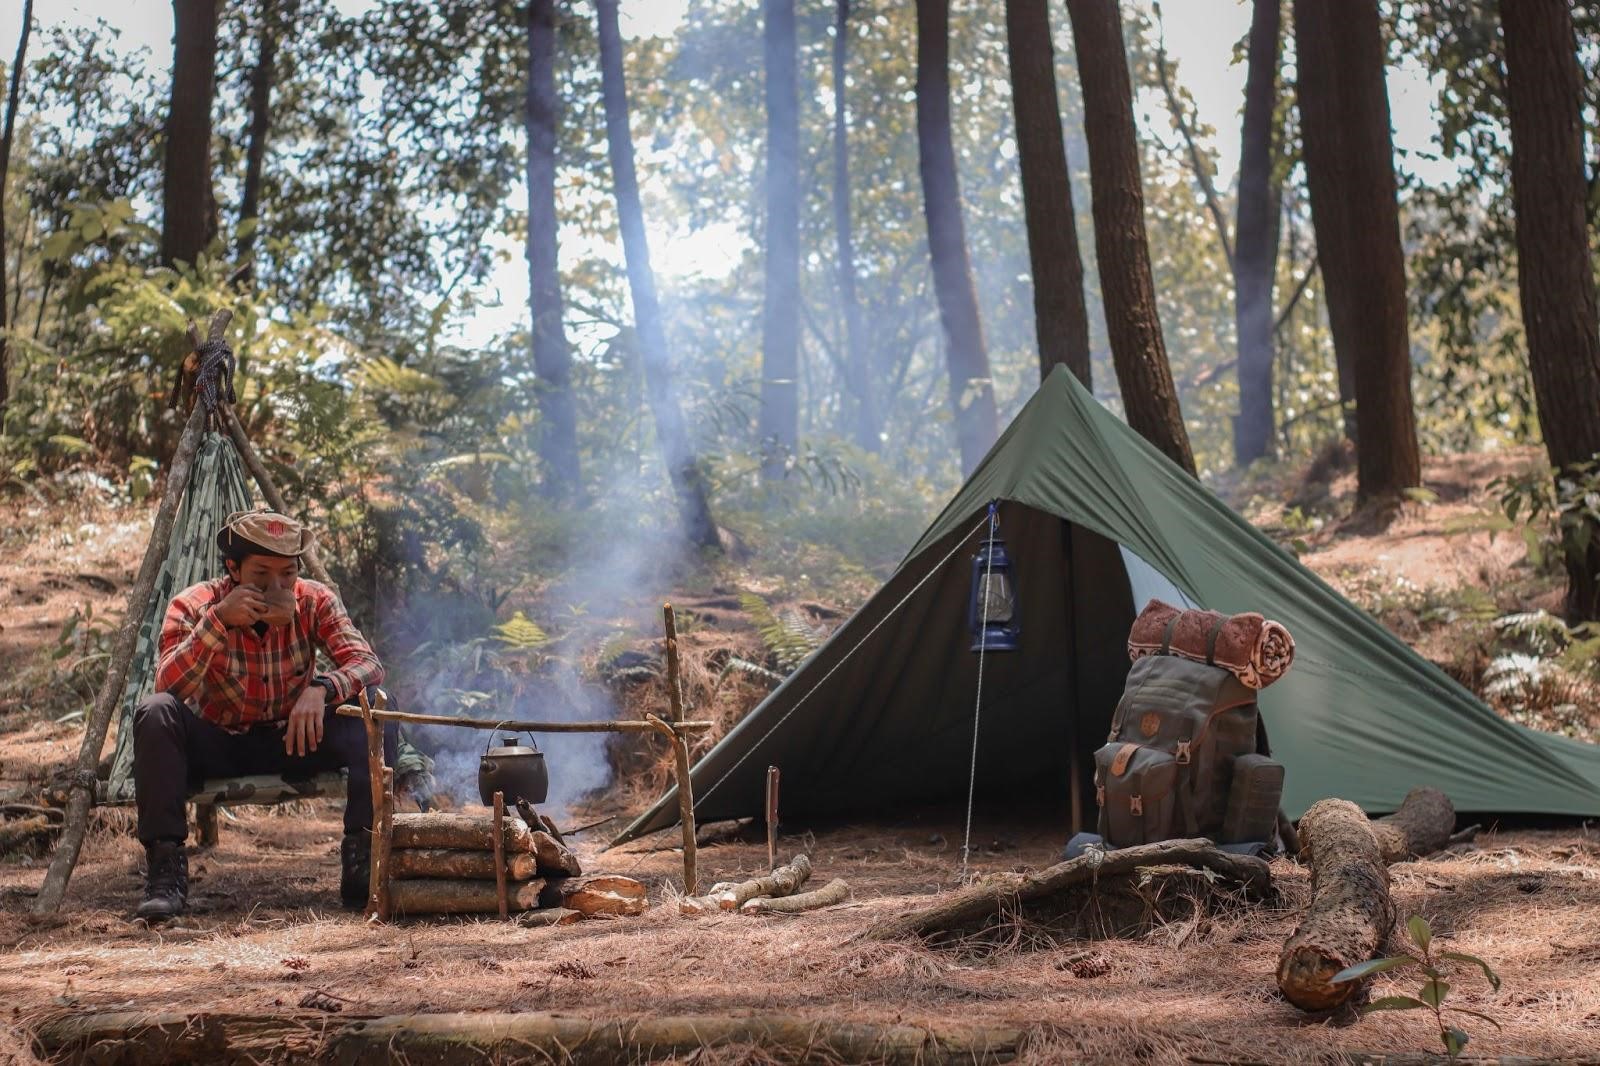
[(265, 936)]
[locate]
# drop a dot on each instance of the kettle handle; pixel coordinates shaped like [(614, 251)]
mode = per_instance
[(490, 742)]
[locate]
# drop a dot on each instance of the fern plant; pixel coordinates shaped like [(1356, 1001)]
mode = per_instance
[(788, 636), (521, 633)]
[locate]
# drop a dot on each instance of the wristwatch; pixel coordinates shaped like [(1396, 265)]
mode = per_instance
[(331, 694)]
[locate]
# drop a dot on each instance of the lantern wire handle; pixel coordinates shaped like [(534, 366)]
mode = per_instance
[(977, 709)]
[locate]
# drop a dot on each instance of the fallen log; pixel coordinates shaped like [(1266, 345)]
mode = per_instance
[(597, 895), (429, 896), (293, 1038), (555, 859), (835, 891), (1350, 914), (459, 864), (469, 832), (731, 895), (1421, 826), (1003, 892)]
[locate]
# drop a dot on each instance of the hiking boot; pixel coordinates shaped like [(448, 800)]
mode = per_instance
[(166, 880), (355, 869)]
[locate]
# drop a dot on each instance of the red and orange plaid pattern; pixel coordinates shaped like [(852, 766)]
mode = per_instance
[(237, 678)]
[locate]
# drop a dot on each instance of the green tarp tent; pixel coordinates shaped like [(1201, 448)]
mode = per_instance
[(1097, 521)]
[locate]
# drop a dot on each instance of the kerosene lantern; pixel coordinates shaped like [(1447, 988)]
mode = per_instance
[(992, 608)]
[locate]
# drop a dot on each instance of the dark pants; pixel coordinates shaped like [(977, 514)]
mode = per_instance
[(174, 750)]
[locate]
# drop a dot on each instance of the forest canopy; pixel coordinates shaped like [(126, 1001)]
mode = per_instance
[(826, 355)]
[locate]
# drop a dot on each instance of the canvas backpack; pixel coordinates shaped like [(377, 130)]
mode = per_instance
[(1167, 769)]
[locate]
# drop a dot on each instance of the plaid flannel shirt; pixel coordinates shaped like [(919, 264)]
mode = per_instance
[(237, 678)]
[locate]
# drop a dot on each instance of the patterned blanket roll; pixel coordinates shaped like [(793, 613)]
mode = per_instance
[(1248, 646)]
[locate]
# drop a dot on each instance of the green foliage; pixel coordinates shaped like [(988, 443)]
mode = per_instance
[(1561, 508), (1435, 988), (788, 636), (521, 633)]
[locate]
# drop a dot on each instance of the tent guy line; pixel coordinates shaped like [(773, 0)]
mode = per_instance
[(977, 701)]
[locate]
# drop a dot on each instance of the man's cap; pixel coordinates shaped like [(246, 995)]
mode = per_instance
[(264, 529)]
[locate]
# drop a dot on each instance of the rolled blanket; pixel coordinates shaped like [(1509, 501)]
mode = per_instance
[(1248, 646)]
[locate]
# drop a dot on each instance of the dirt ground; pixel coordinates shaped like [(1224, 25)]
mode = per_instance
[(265, 933)]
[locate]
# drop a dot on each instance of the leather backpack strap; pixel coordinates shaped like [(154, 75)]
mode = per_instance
[(1211, 640), (1166, 636)]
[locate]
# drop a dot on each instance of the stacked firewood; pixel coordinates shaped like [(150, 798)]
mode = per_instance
[(451, 864)]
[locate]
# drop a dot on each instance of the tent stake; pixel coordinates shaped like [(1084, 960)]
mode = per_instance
[(84, 779), (772, 817)]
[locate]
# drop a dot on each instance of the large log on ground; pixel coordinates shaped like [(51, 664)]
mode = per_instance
[(596, 895), (136, 1038), (1350, 914), (1421, 826), (430, 896), (555, 858), (834, 892), (1005, 892), (472, 832), (459, 864)]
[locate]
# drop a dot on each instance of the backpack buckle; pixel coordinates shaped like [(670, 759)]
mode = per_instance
[(1136, 805), (1182, 755)]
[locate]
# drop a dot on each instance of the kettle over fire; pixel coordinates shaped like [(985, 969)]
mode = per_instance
[(518, 771)]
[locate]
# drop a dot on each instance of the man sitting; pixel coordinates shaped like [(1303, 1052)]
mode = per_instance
[(238, 692)]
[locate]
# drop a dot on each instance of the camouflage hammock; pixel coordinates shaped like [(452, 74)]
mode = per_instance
[(218, 486)]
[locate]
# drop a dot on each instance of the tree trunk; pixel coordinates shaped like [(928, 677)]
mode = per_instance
[(5, 170), (688, 482), (1061, 320), (1349, 157), (780, 319), (1149, 396), (866, 414), (1255, 262), (1350, 914), (971, 386), (1554, 271), (189, 207), (261, 80), (552, 360)]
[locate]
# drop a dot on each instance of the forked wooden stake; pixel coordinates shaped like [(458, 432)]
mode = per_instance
[(500, 853), (380, 848), (375, 781), (680, 752)]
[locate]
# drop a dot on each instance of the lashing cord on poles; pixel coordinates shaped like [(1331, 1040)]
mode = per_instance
[(977, 707)]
